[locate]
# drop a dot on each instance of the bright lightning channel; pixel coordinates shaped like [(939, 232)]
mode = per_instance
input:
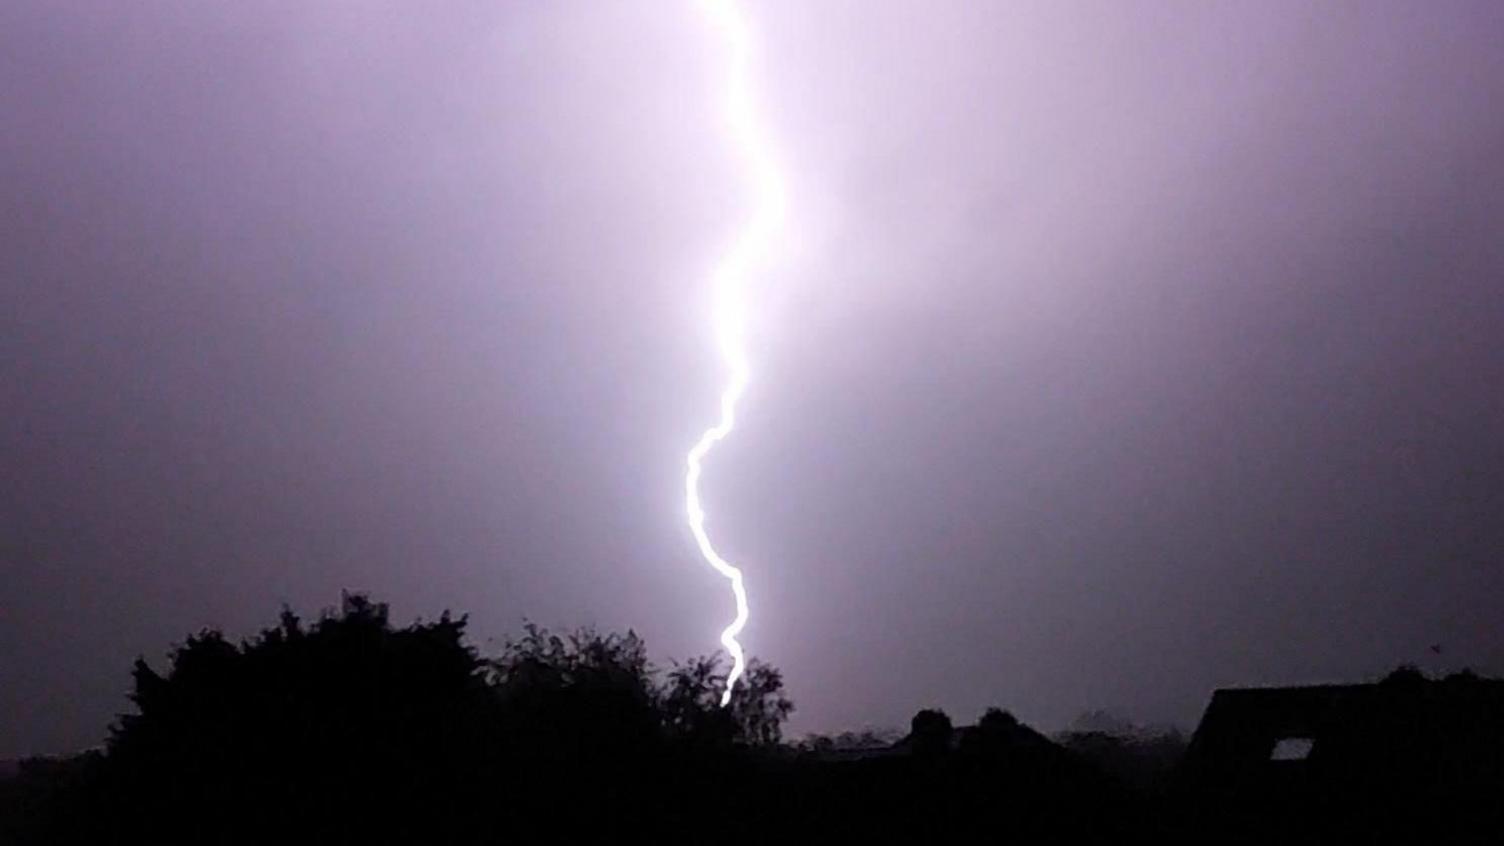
[(729, 283)]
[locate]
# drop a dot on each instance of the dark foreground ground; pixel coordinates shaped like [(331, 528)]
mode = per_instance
[(956, 797)]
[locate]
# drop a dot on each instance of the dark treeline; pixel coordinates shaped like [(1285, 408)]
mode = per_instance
[(348, 729)]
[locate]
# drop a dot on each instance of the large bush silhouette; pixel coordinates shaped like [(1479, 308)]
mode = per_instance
[(349, 728), (345, 725)]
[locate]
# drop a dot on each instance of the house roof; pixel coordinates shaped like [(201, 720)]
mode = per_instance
[(1403, 726)]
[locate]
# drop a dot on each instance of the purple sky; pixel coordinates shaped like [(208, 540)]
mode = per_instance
[(1119, 352)]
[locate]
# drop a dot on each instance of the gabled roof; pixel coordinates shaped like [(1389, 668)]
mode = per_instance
[(1390, 731)]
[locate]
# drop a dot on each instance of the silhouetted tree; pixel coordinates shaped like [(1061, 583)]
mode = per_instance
[(930, 732), (1407, 675), (997, 721), (343, 726), (577, 694), (992, 735), (754, 716)]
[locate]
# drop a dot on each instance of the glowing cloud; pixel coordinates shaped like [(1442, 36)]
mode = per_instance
[(729, 287)]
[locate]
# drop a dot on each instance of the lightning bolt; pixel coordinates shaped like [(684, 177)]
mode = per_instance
[(729, 282)]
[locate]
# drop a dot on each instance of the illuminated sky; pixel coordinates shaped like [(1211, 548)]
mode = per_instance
[(1121, 351)]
